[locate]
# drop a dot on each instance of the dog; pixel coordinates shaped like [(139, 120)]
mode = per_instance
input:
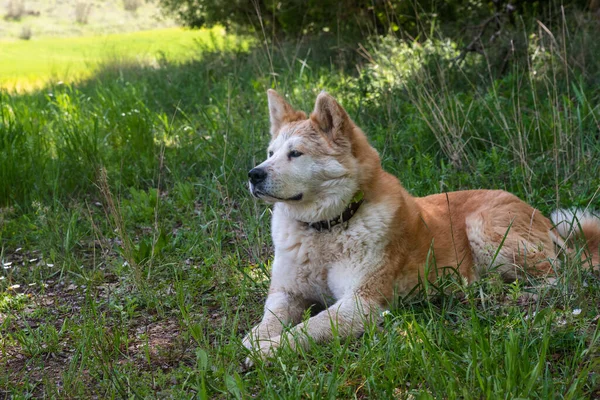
[(348, 235)]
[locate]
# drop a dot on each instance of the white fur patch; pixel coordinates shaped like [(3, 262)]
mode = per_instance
[(483, 253), (329, 265), (568, 221)]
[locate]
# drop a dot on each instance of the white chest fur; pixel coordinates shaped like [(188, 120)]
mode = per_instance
[(329, 264)]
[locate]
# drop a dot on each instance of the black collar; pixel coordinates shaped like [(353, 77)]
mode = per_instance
[(345, 216)]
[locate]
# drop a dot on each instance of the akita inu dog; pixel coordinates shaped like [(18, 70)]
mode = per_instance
[(349, 236)]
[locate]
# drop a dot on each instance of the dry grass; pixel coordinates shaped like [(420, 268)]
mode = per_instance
[(57, 18)]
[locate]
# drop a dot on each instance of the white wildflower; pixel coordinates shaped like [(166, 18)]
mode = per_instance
[(530, 316)]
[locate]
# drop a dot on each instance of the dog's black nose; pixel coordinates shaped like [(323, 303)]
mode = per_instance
[(257, 175)]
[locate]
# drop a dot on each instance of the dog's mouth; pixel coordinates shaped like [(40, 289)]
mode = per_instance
[(265, 196)]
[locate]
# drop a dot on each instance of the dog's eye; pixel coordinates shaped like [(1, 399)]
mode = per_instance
[(270, 154), (294, 153)]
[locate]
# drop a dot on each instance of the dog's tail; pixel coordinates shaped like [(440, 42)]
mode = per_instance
[(577, 224)]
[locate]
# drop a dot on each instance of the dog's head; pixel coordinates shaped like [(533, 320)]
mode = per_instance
[(315, 165)]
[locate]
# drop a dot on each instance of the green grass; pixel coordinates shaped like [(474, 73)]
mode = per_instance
[(31, 64), (141, 260)]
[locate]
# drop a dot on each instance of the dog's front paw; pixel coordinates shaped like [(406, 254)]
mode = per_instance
[(261, 349), (248, 341)]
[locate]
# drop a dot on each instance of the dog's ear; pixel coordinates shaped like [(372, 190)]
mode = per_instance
[(281, 112), (329, 116)]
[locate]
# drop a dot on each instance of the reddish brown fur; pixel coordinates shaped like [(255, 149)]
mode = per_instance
[(440, 223), (591, 233)]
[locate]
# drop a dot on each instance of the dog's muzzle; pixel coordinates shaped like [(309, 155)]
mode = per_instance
[(258, 176)]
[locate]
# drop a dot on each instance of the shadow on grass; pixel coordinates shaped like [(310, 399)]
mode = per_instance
[(202, 117)]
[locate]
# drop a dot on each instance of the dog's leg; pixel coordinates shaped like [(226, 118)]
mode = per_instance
[(347, 317), (281, 308)]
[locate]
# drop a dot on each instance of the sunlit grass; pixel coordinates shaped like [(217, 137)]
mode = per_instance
[(25, 65)]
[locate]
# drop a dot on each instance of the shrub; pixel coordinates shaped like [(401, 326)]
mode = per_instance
[(26, 33), (15, 9), (493, 28), (287, 17), (131, 5), (82, 12)]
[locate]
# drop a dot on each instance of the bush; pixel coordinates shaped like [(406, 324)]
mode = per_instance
[(355, 17), (15, 9), (131, 5), (289, 17), (82, 12), (26, 33)]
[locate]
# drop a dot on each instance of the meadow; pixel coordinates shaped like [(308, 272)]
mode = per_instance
[(134, 259), (27, 65)]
